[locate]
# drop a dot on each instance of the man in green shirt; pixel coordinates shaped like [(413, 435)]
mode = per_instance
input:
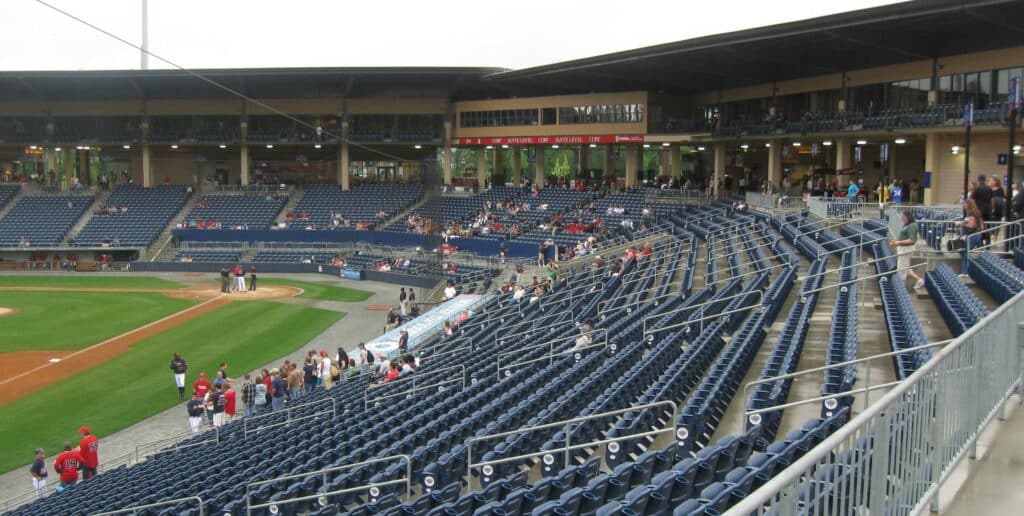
[(904, 245)]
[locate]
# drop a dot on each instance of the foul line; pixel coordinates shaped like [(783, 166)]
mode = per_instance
[(140, 328)]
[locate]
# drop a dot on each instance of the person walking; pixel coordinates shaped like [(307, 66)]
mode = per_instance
[(38, 472), (178, 367), (904, 245), (89, 450), (252, 278), (194, 409), (66, 465)]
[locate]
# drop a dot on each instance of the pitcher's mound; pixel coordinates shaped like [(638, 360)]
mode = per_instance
[(5, 311), (208, 291)]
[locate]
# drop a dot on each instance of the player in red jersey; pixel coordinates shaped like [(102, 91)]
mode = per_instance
[(66, 464), (89, 449)]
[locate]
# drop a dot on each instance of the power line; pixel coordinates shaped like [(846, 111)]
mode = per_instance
[(264, 105)]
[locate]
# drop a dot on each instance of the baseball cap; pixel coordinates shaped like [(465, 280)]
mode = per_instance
[(84, 430), (38, 451)]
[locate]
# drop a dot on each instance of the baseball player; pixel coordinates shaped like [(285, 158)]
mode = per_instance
[(38, 471), (66, 465), (178, 367)]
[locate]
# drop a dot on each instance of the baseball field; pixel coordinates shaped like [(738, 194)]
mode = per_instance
[(94, 350)]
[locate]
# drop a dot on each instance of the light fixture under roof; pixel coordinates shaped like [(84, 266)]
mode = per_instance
[(417, 146), (700, 147), (127, 147), (665, 144), (33, 147), (317, 146), (270, 145), (647, 146), (223, 146), (593, 145), (796, 144), (900, 141), (555, 146), (955, 149), (827, 143), (504, 146), (174, 146), (58, 149), (862, 142), (768, 144), (489, 147), (744, 146)]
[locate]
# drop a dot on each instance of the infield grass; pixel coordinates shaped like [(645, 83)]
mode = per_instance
[(138, 384), (74, 320)]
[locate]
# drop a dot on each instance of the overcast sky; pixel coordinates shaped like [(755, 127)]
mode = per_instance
[(290, 33)]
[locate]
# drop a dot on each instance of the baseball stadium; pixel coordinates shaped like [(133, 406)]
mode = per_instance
[(770, 271)]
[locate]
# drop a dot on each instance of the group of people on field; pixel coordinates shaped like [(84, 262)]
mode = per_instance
[(238, 273)]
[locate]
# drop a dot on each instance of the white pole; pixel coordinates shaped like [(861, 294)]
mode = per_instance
[(145, 36)]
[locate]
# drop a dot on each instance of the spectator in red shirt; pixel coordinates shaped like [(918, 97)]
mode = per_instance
[(66, 464), (89, 450), (267, 381), (202, 385), (229, 403)]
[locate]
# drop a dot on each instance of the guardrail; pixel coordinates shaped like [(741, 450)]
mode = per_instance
[(566, 426), (137, 508), (322, 497), (550, 356), (701, 307), (440, 386), (288, 409), (898, 454)]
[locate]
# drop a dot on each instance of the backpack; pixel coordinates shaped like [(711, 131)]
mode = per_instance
[(261, 394)]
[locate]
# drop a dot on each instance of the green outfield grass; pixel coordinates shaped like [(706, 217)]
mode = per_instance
[(74, 320), (84, 281), (320, 290), (138, 384)]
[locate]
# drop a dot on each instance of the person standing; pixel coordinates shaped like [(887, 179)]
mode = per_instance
[(252, 278), (89, 449), (277, 389), (412, 300), (38, 472), (178, 367), (194, 408), (230, 403), (983, 198), (224, 286), (66, 465), (402, 297), (239, 274), (294, 382), (326, 375), (403, 342), (248, 396), (218, 406), (202, 385), (309, 375)]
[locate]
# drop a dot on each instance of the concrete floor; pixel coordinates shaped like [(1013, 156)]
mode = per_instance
[(357, 325), (991, 484)]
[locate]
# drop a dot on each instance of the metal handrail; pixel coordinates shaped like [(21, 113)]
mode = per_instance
[(567, 425), (841, 222), (323, 473), (701, 306), (288, 415), (883, 275), (837, 365), (853, 265), (137, 508), (706, 318), (875, 420), (156, 448), (550, 357), (418, 376), (439, 385), (602, 304), (748, 273)]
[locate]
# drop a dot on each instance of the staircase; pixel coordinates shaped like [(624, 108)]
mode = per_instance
[(155, 250), (402, 214), (21, 193), (293, 201), (100, 201)]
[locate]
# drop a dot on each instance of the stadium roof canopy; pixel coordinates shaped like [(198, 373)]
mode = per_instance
[(887, 35)]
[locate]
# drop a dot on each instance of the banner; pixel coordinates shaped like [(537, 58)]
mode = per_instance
[(549, 140), (969, 114), (858, 151), (1014, 99)]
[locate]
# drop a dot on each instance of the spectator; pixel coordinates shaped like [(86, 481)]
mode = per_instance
[(38, 472), (248, 396), (267, 385), (353, 370), (295, 382), (277, 389), (217, 400), (393, 372), (89, 449), (261, 397), (201, 385), (66, 465), (401, 300), (583, 340), (230, 403), (403, 342), (178, 367), (194, 408), (408, 366), (309, 376), (326, 372), (219, 380), (365, 357), (904, 245), (449, 291), (852, 191)]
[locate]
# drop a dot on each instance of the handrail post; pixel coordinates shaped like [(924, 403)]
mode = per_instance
[(880, 465)]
